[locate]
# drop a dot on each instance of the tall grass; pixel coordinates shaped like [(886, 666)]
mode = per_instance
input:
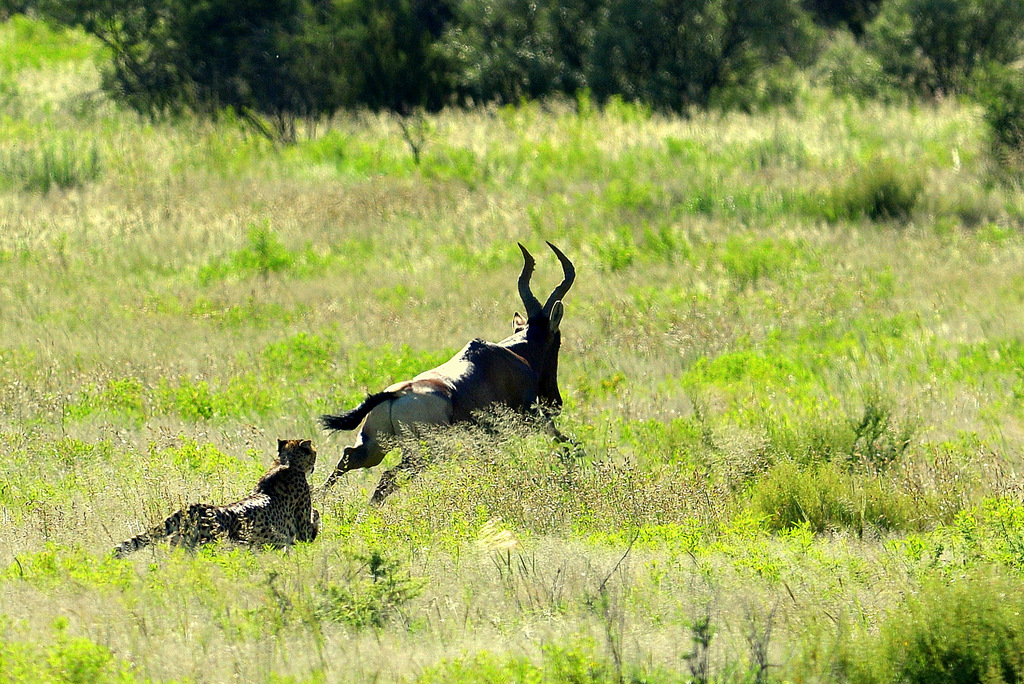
[(53, 165)]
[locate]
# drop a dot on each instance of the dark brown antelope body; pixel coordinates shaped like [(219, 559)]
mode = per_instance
[(520, 372)]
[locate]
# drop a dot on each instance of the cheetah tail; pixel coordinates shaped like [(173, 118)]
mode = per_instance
[(171, 525)]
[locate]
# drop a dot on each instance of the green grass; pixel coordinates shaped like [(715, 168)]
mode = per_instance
[(791, 361), (28, 45), (53, 165)]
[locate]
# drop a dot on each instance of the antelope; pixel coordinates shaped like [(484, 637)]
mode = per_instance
[(520, 372)]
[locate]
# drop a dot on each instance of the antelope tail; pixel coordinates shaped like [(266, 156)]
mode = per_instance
[(350, 419)]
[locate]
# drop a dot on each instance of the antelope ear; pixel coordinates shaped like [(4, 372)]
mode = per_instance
[(518, 322), (557, 309)]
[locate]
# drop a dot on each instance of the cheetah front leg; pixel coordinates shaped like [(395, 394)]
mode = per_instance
[(309, 531)]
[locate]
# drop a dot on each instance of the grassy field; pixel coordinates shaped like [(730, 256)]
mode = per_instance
[(793, 358)]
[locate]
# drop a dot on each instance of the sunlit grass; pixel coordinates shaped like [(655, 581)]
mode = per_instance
[(791, 362)]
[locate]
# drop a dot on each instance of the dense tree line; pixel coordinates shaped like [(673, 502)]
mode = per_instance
[(274, 62)]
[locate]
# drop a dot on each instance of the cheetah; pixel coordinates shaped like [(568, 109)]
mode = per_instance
[(277, 513)]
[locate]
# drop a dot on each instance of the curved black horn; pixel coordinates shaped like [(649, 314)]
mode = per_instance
[(531, 303), (569, 272)]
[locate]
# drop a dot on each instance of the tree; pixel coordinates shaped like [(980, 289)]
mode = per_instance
[(270, 61), (851, 14), (938, 46), (391, 54), (675, 54), (509, 50)]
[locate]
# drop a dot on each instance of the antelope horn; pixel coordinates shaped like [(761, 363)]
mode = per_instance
[(570, 275), (532, 304)]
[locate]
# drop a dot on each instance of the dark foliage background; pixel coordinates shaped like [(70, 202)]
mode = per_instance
[(275, 62)]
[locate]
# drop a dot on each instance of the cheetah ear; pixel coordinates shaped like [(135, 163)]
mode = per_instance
[(280, 445), (306, 443)]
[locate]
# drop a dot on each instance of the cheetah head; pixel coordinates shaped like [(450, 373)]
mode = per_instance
[(296, 453)]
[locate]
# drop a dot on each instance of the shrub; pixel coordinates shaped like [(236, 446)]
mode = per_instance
[(63, 659), (265, 254), (748, 260), (828, 497), (882, 191), (878, 440), (575, 659), (122, 398), (969, 629), (9, 94)]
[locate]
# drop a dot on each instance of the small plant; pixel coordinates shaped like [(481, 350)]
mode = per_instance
[(372, 599), (877, 440), (189, 456), (759, 636), (617, 250), (75, 660), (9, 94), (122, 398), (193, 401), (747, 261), (263, 255), (246, 394), (827, 496), (416, 131), (300, 354), (699, 659)]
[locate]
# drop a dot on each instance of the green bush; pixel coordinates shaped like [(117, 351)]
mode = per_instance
[(122, 398), (748, 260), (828, 497), (968, 628), (71, 660), (575, 661), (882, 191), (878, 440), (265, 254)]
